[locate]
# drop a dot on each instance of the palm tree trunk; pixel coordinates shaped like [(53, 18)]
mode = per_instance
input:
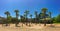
[(26, 21), (44, 23), (16, 20), (17, 23)]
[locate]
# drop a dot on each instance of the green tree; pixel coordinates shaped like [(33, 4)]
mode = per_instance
[(9, 18), (54, 19), (36, 16), (31, 16), (13, 20), (51, 21), (44, 10), (57, 19), (8, 14), (30, 19), (22, 19), (26, 15), (16, 11), (50, 17)]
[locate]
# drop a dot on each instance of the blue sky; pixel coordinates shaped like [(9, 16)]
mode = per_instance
[(31, 5)]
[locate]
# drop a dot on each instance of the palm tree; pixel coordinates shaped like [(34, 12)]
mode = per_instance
[(50, 18), (26, 15), (36, 16), (44, 10), (17, 11), (8, 14), (31, 16), (9, 19), (31, 20), (22, 20)]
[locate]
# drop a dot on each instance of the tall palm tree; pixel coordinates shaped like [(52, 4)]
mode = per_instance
[(16, 11), (31, 20), (36, 16), (26, 15), (9, 19), (50, 18), (31, 17), (44, 10), (8, 14), (22, 19)]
